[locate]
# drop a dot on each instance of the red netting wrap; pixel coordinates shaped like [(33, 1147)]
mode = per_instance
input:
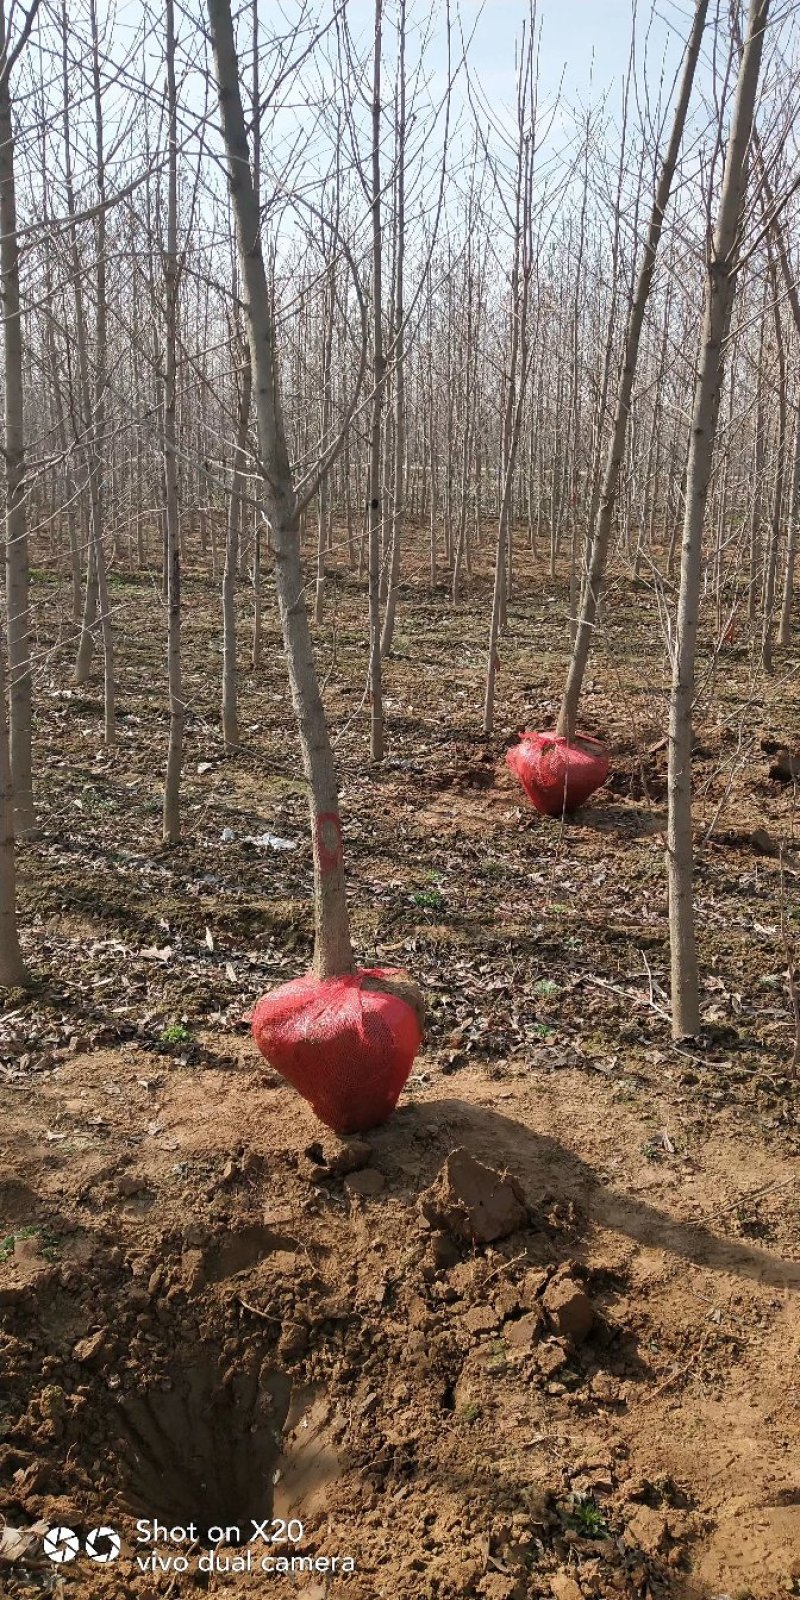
[(346, 1048), (555, 775)]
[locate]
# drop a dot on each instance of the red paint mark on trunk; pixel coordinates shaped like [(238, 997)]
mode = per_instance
[(329, 841)]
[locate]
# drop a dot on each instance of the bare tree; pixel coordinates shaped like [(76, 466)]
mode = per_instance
[(17, 561), (92, 396), (601, 532), (233, 535), (522, 266), (12, 966), (398, 342), (325, 525), (177, 709), (375, 491), (719, 292), (778, 496), (333, 952), (257, 515), (790, 287), (785, 625), (15, 757)]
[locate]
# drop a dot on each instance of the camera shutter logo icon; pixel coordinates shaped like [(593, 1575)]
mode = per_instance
[(61, 1544), (103, 1544)]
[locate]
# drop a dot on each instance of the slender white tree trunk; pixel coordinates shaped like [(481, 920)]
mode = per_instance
[(98, 422), (12, 966), (398, 506), (601, 532), (720, 283), (230, 670), (323, 527), (521, 270), (785, 628), (257, 515), (17, 566), (757, 472), (376, 508), (255, 653), (779, 237), (177, 709), (776, 519), (87, 427), (333, 953)]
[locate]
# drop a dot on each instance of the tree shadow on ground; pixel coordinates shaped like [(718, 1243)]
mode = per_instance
[(419, 1137), (639, 821)]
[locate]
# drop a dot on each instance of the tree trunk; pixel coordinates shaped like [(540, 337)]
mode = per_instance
[(255, 655), (17, 566), (755, 583), (398, 497), (779, 238), (323, 524), (785, 628), (256, 124), (601, 534), (177, 709), (86, 428), (333, 952), (230, 675), (98, 421), (720, 284), (12, 966), (771, 569), (378, 378), (521, 271)]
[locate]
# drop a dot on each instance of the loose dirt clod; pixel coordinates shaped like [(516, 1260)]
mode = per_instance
[(605, 1388), (366, 1182), (128, 1185), (352, 1156), (646, 1530), (480, 1319), (525, 1331), (472, 1202), (89, 1351), (565, 1588), (241, 1249), (550, 1359), (444, 1251), (569, 1308)]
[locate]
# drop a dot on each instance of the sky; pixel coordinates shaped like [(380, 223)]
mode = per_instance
[(583, 52), (582, 42), (578, 38)]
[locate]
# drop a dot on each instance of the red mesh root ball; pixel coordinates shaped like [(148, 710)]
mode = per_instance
[(558, 776), (346, 1044)]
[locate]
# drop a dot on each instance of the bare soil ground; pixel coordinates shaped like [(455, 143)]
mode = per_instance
[(201, 1320)]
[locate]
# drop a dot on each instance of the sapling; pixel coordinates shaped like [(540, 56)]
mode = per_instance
[(719, 291), (345, 1037)]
